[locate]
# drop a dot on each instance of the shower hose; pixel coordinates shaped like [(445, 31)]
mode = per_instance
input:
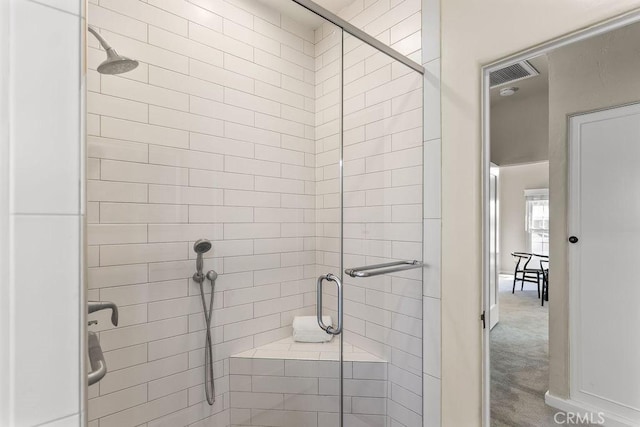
[(209, 386)]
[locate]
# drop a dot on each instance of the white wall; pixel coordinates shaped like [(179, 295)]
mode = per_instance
[(512, 182), (520, 129), (476, 33), (606, 65), (42, 363)]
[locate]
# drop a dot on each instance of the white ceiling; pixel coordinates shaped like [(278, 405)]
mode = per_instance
[(527, 87)]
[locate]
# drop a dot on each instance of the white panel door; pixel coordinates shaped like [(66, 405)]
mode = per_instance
[(604, 207)]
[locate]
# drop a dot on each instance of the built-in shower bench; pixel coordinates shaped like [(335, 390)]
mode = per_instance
[(293, 384)]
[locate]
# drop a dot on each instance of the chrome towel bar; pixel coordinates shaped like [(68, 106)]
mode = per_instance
[(387, 267)]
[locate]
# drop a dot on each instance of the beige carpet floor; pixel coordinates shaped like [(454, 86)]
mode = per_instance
[(520, 359)]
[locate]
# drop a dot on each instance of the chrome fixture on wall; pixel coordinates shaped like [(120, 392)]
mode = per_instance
[(96, 358), (201, 247), (115, 63)]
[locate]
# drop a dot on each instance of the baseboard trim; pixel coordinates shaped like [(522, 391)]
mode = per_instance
[(568, 405)]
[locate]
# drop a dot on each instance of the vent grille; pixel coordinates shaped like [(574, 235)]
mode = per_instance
[(518, 71)]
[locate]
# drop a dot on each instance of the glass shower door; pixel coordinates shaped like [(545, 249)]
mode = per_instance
[(383, 217)]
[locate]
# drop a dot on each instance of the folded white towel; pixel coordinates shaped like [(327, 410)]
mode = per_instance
[(306, 329)]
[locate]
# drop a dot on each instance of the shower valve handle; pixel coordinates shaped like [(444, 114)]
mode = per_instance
[(94, 306)]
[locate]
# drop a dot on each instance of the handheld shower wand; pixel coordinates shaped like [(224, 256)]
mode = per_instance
[(201, 247)]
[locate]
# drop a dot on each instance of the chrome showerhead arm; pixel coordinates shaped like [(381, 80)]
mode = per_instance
[(97, 35)]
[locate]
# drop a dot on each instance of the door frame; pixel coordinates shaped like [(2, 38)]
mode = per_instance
[(485, 70)]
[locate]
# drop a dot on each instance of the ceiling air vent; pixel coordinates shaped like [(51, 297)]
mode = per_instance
[(518, 71)]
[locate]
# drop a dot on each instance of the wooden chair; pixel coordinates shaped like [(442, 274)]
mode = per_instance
[(527, 274), (544, 267)]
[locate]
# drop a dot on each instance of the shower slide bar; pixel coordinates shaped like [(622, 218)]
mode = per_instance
[(386, 268)]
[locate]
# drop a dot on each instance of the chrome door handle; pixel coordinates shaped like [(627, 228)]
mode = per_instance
[(96, 359), (330, 278)]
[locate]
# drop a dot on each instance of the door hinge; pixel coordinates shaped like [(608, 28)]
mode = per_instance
[(482, 317)]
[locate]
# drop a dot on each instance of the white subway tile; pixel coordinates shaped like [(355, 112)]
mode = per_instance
[(251, 198), (222, 180), (147, 332), (252, 262), (432, 100), (251, 102), (146, 13), (131, 213), (431, 399), (105, 234), (220, 76), (184, 232), (110, 191), (184, 158), (279, 185), (215, 144), (185, 46), (140, 132), (178, 195), (251, 134), (101, 277), (58, 236), (53, 107), (140, 414), (140, 253), (221, 111), (150, 54), (286, 38), (251, 231), (281, 95), (219, 214), (117, 22), (185, 121), (432, 257), (189, 11), (138, 172), (143, 293), (142, 92), (274, 215), (168, 79), (115, 149), (258, 167), (220, 41), (257, 40), (115, 402)]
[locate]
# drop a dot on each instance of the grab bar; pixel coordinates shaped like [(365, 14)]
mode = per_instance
[(329, 329), (378, 269), (96, 359)]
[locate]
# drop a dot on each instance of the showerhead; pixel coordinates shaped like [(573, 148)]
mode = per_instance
[(201, 246), (115, 63)]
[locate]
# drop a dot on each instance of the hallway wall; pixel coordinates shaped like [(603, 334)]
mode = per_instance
[(512, 183)]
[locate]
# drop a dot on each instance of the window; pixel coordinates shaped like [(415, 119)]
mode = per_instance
[(537, 220)]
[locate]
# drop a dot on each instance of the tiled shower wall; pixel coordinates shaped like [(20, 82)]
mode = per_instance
[(196, 143), (211, 137)]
